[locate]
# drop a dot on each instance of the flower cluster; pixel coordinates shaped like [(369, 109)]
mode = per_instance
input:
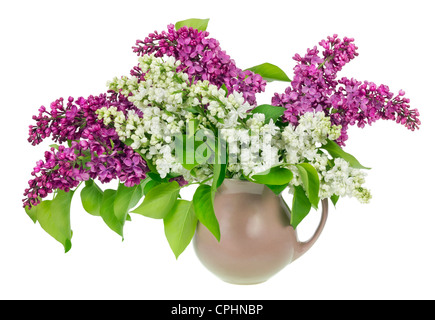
[(343, 180), (95, 150), (253, 148), (202, 59), (57, 172), (167, 101), (303, 143), (315, 88)]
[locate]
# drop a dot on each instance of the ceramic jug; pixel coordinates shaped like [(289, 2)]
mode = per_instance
[(257, 240)]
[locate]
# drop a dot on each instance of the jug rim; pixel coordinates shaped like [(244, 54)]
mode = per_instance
[(231, 185)]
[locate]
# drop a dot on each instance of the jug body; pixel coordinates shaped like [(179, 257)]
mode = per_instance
[(257, 240)]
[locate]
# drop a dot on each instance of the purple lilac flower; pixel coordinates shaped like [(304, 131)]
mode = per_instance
[(180, 180), (64, 123), (68, 122), (364, 103), (95, 152), (348, 102), (201, 58), (56, 172)]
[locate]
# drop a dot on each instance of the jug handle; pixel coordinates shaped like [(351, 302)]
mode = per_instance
[(303, 246)]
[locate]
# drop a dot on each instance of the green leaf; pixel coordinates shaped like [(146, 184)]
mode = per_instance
[(148, 184), (155, 177), (56, 146), (275, 176), (270, 72), (192, 127), (159, 200), (224, 87), (107, 212), (192, 151), (195, 110), (126, 199), (336, 152), (54, 217), (310, 181), (150, 164), (270, 112), (200, 24), (185, 150), (219, 171), (91, 196), (203, 200), (277, 189), (32, 213), (220, 165), (115, 205), (300, 208), (128, 141), (180, 225), (334, 199)]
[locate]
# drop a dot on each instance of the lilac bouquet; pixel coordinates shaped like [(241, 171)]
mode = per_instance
[(187, 115)]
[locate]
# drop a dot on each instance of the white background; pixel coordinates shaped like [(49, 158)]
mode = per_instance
[(383, 250)]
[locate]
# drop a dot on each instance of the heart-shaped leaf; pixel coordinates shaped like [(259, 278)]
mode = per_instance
[(270, 72), (54, 217), (276, 176), (277, 189), (336, 152), (301, 206), (310, 181), (203, 200), (220, 165), (159, 200), (180, 225), (126, 199), (200, 24), (107, 212), (334, 199), (91, 196), (270, 112)]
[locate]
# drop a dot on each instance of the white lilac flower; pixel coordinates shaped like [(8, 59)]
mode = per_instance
[(167, 100), (343, 180)]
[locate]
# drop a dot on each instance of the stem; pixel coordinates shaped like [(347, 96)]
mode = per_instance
[(200, 182), (79, 185), (327, 59)]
